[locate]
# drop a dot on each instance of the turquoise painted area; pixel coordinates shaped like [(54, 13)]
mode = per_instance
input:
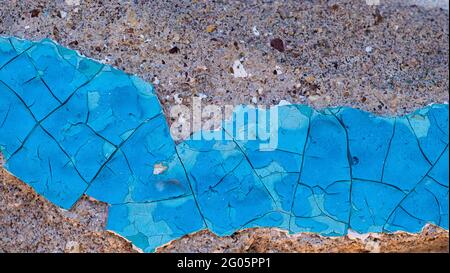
[(71, 126)]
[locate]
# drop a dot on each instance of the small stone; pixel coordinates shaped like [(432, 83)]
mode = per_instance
[(177, 99), (238, 70), (334, 7), (174, 50), (35, 12), (373, 2), (369, 49), (314, 98), (200, 68), (72, 2), (310, 79), (278, 44), (255, 31), (278, 70), (284, 102), (72, 247), (210, 28), (202, 96)]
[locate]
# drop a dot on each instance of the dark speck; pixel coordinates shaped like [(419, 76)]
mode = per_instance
[(174, 50), (236, 45), (35, 12), (73, 43), (335, 7), (278, 44), (378, 17)]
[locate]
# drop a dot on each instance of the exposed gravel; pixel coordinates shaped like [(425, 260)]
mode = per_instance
[(386, 59)]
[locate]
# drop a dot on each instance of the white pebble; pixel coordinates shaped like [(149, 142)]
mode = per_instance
[(202, 96), (255, 31), (72, 2), (239, 70), (177, 99)]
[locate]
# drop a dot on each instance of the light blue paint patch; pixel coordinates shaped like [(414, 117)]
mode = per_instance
[(93, 98), (71, 126), (152, 224)]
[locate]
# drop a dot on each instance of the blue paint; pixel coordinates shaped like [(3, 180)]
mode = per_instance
[(71, 126)]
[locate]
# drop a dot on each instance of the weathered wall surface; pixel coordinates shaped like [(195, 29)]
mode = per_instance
[(385, 59)]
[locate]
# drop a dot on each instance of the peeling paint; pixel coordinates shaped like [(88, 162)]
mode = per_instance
[(97, 131)]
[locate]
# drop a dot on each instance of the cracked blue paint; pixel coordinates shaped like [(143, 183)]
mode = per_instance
[(71, 126)]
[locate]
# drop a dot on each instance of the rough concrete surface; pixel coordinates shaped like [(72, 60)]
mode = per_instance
[(389, 58), (30, 223), (432, 239)]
